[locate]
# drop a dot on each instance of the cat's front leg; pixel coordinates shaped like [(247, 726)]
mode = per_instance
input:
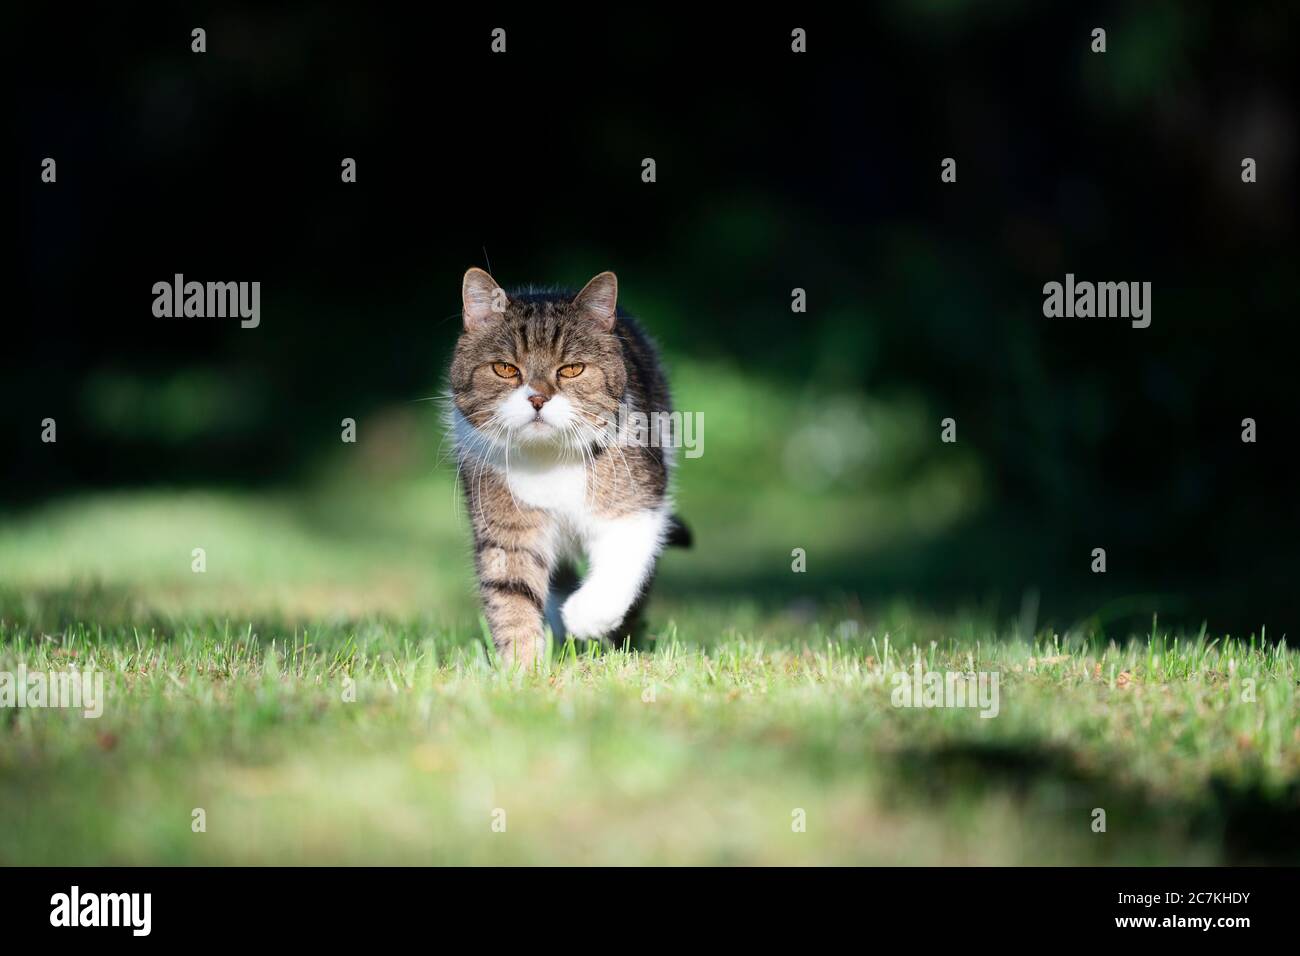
[(514, 559), (621, 554)]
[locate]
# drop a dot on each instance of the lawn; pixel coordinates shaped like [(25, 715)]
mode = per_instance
[(387, 742), (321, 691)]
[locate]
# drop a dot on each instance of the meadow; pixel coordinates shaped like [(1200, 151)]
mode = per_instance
[(322, 691)]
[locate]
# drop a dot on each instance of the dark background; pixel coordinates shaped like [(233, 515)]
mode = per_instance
[(774, 171)]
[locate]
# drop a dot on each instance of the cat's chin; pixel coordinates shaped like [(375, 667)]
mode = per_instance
[(538, 433)]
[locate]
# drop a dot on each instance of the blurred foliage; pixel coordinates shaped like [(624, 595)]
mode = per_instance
[(775, 171)]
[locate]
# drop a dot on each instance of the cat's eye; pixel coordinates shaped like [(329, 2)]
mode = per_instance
[(571, 371), (505, 369)]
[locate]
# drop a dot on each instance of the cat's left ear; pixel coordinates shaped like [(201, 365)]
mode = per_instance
[(598, 300)]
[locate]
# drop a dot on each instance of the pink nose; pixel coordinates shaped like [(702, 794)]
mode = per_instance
[(537, 401)]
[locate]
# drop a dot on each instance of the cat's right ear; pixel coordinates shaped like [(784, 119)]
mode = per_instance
[(598, 300), (483, 300)]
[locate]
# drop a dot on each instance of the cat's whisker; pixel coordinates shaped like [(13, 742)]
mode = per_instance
[(488, 433), (511, 490), (589, 470), (500, 432), (588, 457), (601, 438)]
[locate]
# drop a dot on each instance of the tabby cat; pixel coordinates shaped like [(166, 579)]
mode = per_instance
[(542, 383)]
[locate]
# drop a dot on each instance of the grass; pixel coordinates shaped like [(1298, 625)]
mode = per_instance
[(696, 752), (322, 693)]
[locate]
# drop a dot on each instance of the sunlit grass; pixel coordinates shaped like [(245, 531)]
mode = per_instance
[(398, 743)]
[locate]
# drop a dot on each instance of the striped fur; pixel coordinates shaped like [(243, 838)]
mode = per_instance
[(546, 480)]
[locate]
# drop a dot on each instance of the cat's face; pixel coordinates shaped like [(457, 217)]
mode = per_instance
[(540, 369)]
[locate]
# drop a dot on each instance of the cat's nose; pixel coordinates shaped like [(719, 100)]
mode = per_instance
[(537, 400)]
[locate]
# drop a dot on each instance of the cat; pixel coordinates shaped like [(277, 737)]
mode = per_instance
[(539, 382)]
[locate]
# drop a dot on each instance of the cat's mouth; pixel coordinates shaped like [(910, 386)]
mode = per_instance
[(537, 427)]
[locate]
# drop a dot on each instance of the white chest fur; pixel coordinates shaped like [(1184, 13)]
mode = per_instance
[(558, 487)]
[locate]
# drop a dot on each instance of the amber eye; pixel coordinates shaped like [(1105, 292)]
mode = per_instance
[(571, 371), (505, 369)]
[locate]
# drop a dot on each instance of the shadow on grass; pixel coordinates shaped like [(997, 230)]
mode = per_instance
[(1249, 824), (48, 612), (996, 561), (116, 612)]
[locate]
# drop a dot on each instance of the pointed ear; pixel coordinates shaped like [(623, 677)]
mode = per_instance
[(482, 299), (598, 300)]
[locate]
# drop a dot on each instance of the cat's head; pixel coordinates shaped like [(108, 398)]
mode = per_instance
[(538, 367)]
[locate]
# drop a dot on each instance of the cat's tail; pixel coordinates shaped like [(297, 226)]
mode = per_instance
[(679, 536)]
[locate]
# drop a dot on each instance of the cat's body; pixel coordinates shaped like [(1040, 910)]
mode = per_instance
[(538, 381)]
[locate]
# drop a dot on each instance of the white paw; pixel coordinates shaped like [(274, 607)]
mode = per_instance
[(592, 614)]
